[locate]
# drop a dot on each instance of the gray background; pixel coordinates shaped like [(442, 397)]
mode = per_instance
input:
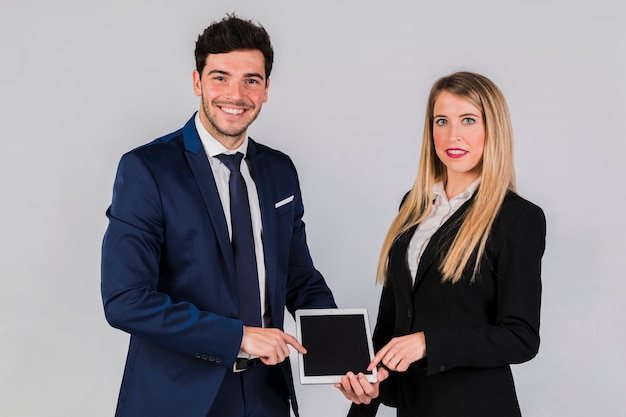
[(81, 82)]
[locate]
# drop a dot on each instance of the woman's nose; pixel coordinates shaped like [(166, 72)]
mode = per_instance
[(455, 134)]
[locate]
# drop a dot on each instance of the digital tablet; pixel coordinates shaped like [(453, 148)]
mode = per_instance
[(337, 341)]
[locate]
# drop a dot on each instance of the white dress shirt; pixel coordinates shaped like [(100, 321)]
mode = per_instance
[(441, 211), (222, 176)]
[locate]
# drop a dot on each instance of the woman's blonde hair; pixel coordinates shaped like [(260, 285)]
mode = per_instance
[(497, 172)]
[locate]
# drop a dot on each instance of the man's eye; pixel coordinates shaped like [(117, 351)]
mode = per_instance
[(253, 81), (219, 78)]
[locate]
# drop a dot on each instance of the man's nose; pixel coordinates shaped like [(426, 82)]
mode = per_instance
[(234, 90)]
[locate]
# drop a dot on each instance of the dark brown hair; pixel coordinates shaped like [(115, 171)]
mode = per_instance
[(233, 34)]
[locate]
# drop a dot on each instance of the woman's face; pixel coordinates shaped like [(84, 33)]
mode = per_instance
[(459, 137)]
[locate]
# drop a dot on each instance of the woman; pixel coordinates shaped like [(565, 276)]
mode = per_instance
[(461, 268)]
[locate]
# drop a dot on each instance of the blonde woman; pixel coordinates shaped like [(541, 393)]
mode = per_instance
[(460, 268)]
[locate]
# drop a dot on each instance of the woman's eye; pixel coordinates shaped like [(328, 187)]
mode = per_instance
[(440, 122), (469, 121)]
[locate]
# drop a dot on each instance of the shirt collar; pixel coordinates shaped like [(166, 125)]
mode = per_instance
[(212, 146), (440, 193)]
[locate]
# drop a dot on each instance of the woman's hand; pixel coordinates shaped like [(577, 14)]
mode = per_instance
[(358, 389), (401, 352)]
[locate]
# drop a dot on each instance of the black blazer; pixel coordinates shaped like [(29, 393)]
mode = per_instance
[(474, 330)]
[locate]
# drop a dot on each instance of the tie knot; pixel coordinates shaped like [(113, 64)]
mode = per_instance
[(232, 161)]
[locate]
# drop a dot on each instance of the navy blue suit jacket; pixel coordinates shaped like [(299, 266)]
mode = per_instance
[(168, 274)]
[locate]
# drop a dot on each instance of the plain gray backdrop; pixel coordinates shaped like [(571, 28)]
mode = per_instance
[(82, 82)]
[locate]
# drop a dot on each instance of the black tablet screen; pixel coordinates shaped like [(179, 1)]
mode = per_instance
[(335, 344)]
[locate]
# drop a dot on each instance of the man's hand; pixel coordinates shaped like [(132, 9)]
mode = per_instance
[(270, 345)]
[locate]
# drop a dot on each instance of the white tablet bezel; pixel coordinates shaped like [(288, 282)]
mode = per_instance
[(331, 379)]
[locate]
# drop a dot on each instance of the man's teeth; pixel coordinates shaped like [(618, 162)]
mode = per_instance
[(232, 111)]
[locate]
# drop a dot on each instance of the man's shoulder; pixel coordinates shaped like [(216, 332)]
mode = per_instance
[(267, 152), (162, 147), (167, 150), (171, 139), (259, 147)]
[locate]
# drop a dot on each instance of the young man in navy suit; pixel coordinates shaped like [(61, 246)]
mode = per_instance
[(172, 258)]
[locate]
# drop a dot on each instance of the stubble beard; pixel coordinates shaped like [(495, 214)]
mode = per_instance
[(206, 107)]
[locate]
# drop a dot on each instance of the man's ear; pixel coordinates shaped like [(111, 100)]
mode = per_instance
[(197, 83), (267, 87)]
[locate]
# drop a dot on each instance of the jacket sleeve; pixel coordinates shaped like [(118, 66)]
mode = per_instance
[(516, 269), (364, 410), (131, 257), (306, 287)]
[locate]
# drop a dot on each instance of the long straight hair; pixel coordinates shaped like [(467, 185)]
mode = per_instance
[(497, 172)]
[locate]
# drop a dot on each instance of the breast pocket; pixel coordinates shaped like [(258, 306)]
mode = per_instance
[(284, 206)]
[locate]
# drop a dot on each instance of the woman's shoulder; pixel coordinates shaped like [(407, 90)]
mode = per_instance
[(514, 201), (515, 206), (520, 223)]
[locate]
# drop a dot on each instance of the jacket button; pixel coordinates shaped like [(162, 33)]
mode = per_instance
[(218, 360), (198, 356), (205, 356), (442, 368), (408, 313)]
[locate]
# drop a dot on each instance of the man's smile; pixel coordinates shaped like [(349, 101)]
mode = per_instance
[(231, 110)]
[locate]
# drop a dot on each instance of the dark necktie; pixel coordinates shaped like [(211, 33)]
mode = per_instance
[(243, 243)]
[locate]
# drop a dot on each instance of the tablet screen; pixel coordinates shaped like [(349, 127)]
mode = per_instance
[(337, 341)]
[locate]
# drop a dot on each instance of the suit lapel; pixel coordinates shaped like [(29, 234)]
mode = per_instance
[(439, 243), (397, 264), (199, 164)]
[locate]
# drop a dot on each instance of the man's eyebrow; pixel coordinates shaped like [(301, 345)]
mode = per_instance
[(254, 75), (215, 71), (248, 75)]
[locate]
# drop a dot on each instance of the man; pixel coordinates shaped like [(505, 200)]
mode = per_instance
[(204, 308)]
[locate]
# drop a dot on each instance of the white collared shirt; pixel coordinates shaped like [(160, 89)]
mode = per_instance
[(441, 211), (222, 176)]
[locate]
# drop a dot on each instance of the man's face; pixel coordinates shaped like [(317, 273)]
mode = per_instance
[(233, 88)]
